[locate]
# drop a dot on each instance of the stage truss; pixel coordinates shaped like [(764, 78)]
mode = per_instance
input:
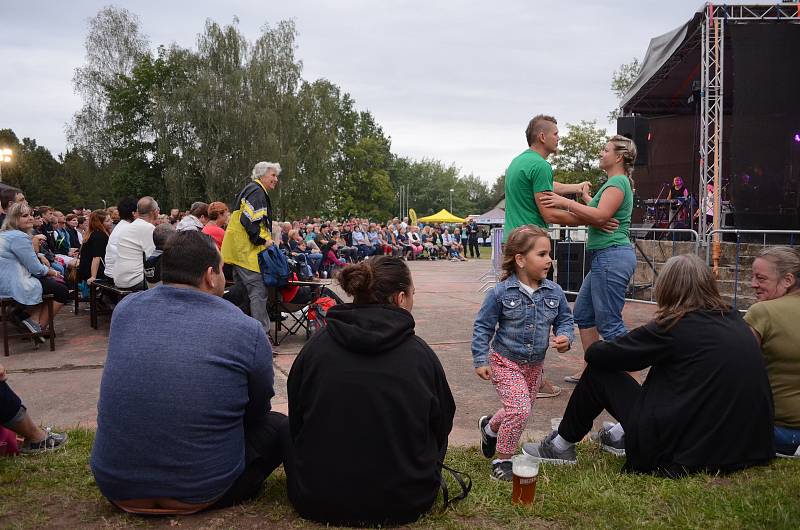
[(715, 19)]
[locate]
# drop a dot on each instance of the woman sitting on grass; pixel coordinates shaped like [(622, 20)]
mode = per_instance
[(706, 405), (774, 319), (370, 409)]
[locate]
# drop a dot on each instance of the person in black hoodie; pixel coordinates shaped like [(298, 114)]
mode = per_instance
[(706, 405), (370, 409)]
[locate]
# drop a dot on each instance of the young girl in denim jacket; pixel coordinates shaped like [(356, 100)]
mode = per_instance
[(510, 337)]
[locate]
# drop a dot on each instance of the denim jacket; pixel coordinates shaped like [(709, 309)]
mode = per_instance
[(517, 324)]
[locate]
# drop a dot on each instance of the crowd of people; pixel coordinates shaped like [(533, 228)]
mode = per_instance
[(185, 421)]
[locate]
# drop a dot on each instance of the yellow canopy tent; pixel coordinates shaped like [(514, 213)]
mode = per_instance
[(442, 216)]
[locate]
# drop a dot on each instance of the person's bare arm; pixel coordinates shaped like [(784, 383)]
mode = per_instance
[(552, 214), (564, 189), (609, 203)]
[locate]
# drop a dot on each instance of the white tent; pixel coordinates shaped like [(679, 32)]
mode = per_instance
[(495, 216)]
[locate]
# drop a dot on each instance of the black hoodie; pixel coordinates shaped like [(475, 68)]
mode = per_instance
[(369, 414)]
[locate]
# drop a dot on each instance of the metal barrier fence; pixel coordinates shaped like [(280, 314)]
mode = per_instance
[(491, 276), (734, 258), (654, 246)]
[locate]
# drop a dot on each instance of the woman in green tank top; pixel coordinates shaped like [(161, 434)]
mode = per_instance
[(598, 308)]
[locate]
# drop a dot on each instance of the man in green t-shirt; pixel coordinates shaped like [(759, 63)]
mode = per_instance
[(529, 175)]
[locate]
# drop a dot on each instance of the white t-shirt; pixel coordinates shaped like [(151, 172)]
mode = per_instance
[(527, 288), (111, 248), (135, 239)]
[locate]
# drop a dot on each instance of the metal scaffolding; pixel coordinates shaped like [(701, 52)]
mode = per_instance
[(715, 19)]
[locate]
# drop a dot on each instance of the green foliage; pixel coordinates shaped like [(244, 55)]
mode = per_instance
[(621, 81), (579, 152)]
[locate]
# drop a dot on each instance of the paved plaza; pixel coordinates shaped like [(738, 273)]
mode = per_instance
[(61, 388)]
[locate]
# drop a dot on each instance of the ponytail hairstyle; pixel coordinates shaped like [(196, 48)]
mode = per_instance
[(376, 280), (520, 241), (625, 147)]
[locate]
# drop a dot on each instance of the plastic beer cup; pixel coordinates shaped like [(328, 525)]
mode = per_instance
[(525, 470)]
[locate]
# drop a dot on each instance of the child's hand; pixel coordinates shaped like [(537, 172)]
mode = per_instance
[(560, 343), (484, 372)]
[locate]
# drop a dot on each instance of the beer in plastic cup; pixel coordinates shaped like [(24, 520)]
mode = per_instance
[(525, 470)]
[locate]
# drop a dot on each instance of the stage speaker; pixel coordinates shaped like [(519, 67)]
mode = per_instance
[(637, 129), (572, 266)]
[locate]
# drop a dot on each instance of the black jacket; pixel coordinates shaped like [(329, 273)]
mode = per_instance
[(370, 411), (706, 404)]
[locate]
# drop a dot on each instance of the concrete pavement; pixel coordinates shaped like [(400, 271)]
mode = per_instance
[(61, 388)]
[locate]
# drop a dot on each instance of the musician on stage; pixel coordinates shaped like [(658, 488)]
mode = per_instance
[(708, 206), (678, 190)]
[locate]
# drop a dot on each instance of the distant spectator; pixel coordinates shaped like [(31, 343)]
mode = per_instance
[(126, 214), (93, 251), (183, 420), (22, 276), (136, 245), (218, 216), (197, 218), (152, 265)]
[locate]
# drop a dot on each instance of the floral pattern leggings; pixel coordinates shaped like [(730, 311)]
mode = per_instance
[(517, 386)]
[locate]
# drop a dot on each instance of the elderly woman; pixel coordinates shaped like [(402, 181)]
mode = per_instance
[(774, 320), (706, 403), (22, 276)]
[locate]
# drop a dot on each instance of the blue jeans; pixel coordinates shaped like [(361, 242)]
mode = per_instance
[(602, 295), (786, 440)]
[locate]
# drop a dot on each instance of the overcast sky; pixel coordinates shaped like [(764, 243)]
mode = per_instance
[(451, 80)]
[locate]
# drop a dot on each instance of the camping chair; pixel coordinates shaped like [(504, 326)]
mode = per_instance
[(297, 314)]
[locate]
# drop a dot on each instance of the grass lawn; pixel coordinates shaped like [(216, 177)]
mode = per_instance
[(57, 490)]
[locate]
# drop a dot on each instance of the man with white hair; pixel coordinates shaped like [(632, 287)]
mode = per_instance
[(249, 233)]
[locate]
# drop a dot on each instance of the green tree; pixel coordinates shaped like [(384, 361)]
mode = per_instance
[(621, 82), (579, 152)]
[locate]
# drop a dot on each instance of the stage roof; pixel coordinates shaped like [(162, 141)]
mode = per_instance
[(670, 65), (672, 61)]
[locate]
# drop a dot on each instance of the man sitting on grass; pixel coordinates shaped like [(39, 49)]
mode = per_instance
[(183, 420)]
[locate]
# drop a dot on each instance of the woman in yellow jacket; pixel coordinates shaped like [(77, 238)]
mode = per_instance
[(249, 233)]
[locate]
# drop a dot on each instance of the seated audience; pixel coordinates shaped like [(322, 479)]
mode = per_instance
[(184, 420), (414, 242), (196, 219), (93, 250), (218, 216), (775, 322), (330, 261), (135, 245), (23, 276), (152, 265), (706, 404), (367, 383), (457, 249), (14, 416), (126, 213)]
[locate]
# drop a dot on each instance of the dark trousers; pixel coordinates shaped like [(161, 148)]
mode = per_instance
[(10, 406), (263, 454), (598, 390), (474, 249)]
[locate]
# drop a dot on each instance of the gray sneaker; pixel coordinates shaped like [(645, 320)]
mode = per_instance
[(51, 442), (545, 451), (603, 438)]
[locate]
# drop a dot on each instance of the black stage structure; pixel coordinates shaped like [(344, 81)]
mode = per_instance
[(717, 101)]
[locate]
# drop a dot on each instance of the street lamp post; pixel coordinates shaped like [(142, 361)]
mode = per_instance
[(5, 157), (451, 200)]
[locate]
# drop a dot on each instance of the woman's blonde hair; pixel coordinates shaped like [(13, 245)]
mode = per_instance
[(520, 241), (626, 148), (13, 215), (686, 284), (786, 261)]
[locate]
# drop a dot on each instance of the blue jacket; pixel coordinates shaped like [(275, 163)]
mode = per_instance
[(18, 268), (520, 323)]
